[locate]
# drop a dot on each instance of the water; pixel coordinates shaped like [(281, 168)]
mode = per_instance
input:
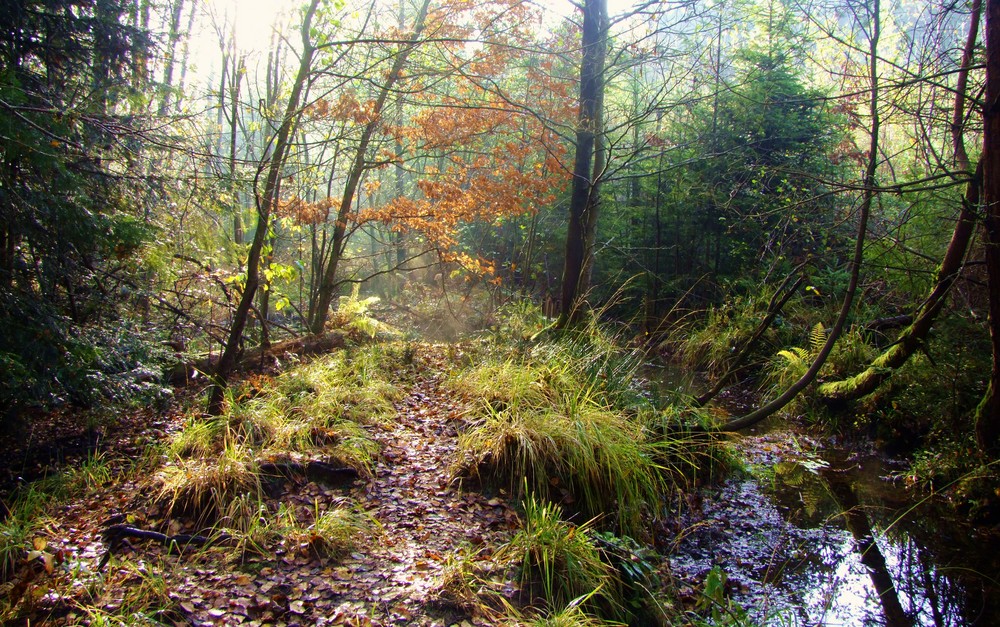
[(825, 533), (826, 537)]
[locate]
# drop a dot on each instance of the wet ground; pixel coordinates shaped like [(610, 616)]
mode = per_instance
[(816, 536)]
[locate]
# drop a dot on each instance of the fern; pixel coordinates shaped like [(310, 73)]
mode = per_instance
[(790, 364), (787, 366), (817, 338), (354, 312), (795, 357)]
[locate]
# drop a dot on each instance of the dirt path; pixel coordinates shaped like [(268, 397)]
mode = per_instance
[(421, 522), (425, 518)]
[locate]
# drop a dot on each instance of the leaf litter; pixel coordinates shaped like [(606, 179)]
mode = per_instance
[(421, 520)]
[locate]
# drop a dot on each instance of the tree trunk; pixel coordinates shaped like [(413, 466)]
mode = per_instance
[(168, 63), (988, 413), (328, 283), (584, 196), (234, 112), (913, 337), (185, 55), (265, 203)]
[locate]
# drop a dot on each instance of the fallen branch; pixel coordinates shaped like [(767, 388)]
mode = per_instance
[(116, 536)]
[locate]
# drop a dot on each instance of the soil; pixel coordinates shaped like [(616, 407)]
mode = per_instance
[(423, 520)]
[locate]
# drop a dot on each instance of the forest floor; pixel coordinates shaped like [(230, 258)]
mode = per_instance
[(429, 549), (422, 521)]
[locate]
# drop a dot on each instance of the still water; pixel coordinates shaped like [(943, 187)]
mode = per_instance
[(822, 535)]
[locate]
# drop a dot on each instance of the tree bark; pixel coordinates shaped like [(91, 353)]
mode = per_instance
[(913, 337), (987, 419), (265, 202), (584, 198)]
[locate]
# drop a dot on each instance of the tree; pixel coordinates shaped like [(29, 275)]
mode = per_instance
[(915, 334), (987, 419), (473, 151), (71, 220), (359, 165), (870, 17), (588, 164), (266, 199)]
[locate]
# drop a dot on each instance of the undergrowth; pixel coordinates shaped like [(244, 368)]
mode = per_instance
[(566, 418), (317, 408), (559, 561)]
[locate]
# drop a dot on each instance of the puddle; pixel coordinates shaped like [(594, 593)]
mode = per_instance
[(818, 538)]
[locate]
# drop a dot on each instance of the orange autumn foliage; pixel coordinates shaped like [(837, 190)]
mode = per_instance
[(477, 132)]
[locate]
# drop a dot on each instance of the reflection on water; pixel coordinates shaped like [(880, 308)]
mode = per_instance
[(830, 542)]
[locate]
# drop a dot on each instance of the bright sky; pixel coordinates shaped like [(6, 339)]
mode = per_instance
[(254, 18)]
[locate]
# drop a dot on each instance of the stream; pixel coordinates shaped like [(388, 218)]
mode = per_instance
[(825, 533)]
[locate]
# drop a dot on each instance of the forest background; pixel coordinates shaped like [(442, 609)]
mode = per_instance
[(782, 192)]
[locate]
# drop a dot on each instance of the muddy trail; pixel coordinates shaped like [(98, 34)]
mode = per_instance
[(420, 522)]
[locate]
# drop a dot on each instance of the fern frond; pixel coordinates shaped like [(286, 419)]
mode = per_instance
[(795, 356), (817, 338)]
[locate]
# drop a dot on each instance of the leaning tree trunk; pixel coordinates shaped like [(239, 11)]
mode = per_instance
[(585, 190), (913, 337), (988, 412), (328, 281), (868, 196), (265, 203)]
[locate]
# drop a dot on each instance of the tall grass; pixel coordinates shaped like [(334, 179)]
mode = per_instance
[(26, 516), (203, 488), (560, 562), (567, 421)]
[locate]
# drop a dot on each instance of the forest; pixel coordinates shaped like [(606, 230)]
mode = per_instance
[(511, 312)]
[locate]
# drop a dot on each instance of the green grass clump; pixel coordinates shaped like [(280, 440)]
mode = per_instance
[(16, 533), (336, 532), (714, 342), (315, 409), (24, 520), (562, 424), (571, 616), (560, 562), (204, 488), (600, 457), (345, 385), (132, 594)]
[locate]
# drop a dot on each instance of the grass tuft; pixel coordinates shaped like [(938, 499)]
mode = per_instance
[(317, 408), (204, 488), (560, 562), (563, 426), (336, 532)]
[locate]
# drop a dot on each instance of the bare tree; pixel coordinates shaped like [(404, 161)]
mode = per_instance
[(266, 200)]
